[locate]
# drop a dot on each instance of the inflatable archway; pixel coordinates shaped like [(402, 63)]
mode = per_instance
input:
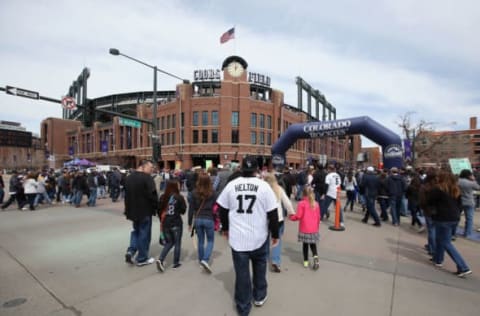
[(391, 143)]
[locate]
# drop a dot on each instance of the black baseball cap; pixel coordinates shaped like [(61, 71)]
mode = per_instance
[(249, 163)]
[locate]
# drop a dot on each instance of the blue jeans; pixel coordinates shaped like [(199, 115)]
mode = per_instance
[(114, 193), (140, 238), (2, 195), (77, 197), (40, 197), (173, 236), (328, 200), (93, 196), (444, 242), (370, 201), (243, 282), (384, 203), (299, 195), (431, 235), (395, 208), (276, 252), (204, 227), (469, 211)]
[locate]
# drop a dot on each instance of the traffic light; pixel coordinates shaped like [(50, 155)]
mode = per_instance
[(156, 151)]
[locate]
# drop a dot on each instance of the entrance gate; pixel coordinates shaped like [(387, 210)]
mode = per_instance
[(390, 142)]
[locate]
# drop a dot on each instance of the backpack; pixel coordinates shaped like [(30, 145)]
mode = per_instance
[(101, 180), (302, 178)]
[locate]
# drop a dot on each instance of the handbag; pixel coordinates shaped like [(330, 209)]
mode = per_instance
[(192, 234)]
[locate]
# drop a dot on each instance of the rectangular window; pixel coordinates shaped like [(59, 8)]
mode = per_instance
[(253, 137), (174, 122), (269, 121), (262, 138), (162, 125), (162, 139), (269, 138), (168, 121), (262, 121), (205, 118), (195, 118), (183, 120), (235, 136), (215, 118), (253, 119), (182, 136), (215, 136), (235, 119), (173, 138), (195, 137), (204, 136)]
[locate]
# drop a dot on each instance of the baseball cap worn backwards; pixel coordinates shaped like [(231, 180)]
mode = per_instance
[(249, 163)]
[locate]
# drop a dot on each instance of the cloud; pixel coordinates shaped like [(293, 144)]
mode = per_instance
[(368, 58)]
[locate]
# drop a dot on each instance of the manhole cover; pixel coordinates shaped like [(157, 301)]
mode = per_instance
[(15, 302)]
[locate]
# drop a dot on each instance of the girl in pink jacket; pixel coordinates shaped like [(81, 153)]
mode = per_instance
[(308, 213)]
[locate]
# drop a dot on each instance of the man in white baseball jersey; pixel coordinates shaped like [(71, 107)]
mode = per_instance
[(248, 210), (332, 181)]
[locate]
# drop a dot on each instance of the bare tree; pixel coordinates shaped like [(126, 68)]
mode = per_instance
[(420, 134)]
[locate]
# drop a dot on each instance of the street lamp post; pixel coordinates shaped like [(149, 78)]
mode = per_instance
[(155, 144)]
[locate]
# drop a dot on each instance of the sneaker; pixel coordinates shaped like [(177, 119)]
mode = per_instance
[(160, 266), (129, 258), (206, 266), (316, 263), (177, 265), (261, 302), (24, 208), (463, 274), (305, 264), (421, 229), (146, 262), (377, 224), (276, 268)]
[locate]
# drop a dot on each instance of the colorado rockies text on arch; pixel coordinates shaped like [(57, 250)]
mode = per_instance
[(326, 126), (246, 187)]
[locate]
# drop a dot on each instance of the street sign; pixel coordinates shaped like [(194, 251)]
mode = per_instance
[(22, 92), (68, 103), (129, 122)]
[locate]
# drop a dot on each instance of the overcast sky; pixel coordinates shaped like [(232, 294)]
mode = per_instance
[(376, 58)]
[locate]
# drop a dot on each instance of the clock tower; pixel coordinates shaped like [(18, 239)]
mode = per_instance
[(235, 68)]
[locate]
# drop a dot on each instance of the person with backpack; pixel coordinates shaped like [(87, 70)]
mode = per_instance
[(396, 189), (102, 181)]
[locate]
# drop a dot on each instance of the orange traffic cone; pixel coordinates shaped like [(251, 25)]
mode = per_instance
[(337, 226)]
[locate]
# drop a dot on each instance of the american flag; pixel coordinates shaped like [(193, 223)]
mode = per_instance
[(228, 35)]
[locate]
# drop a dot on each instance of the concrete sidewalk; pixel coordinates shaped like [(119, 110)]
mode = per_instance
[(70, 261)]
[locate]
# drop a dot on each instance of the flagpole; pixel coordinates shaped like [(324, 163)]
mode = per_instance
[(235, 41)]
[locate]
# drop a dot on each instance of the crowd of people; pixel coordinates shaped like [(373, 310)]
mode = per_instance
[(30, 188), (253, 204), (249, 207)]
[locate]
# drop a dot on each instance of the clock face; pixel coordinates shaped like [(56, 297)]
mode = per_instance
[(235, 69)]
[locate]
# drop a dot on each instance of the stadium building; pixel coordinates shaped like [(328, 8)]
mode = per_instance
[(221, 116)]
